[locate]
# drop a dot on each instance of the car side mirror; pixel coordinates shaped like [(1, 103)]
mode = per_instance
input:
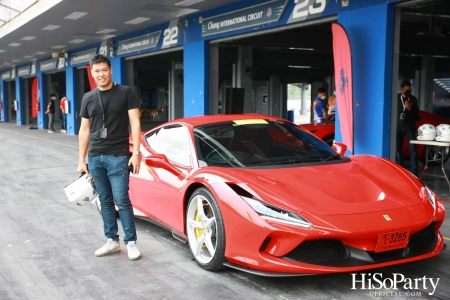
[(161, 161), (339, 148)]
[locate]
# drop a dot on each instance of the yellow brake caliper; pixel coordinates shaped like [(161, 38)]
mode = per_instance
[(199, 232)]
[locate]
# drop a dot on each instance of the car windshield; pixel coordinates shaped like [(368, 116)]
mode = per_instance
[(249, 143)]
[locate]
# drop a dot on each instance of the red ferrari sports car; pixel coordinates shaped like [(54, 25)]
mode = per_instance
[(263, 195), (325, 132)]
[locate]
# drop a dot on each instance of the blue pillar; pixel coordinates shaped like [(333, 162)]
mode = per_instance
[(196, 79), (42, 92), (3, 111), (118, 69), (71, 95), (19, 112), (372, 42)]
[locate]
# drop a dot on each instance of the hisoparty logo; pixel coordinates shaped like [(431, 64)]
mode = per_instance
[(376, 282)]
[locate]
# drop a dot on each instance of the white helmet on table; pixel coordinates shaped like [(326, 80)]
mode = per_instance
[(426, 132), (443, 133), (81, 189)]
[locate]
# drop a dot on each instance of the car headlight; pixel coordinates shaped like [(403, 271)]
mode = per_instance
[(270, 212), (430, 196)]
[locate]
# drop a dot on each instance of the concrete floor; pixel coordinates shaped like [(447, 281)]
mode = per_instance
[(47, 244)]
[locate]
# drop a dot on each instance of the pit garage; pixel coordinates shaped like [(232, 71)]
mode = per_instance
[(157, 80)]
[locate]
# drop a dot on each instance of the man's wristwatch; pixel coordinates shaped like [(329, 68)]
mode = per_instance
[(137, 153)]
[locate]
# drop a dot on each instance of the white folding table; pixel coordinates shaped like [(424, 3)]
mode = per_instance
[(427, 144)]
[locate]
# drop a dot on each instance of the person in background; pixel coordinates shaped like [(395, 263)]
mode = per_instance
[(106, 112), (407, 115), (332, 104), (320, 110), (51, 113)]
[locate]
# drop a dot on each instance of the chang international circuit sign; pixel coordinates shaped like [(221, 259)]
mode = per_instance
[(247, 17), (142, 42), (82, 57)]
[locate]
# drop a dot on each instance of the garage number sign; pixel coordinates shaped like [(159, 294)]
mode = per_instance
[(247, 17), (142, 42)]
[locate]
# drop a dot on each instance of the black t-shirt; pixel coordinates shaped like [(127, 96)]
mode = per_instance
[(411, 116), (52, 107), (116, 103)]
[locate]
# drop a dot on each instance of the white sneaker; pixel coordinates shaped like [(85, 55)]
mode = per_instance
[(51, 131), (111, 246), (133, 252)]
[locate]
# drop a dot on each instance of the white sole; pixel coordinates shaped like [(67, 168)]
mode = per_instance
[(109, 252)]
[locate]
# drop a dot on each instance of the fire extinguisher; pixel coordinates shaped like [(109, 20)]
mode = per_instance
[(38, 108), (1, 105)]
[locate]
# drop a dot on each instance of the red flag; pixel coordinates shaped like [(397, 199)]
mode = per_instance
[(343, 80), (34, 98), (92, 82)]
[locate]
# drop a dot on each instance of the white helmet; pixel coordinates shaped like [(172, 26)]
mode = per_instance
[(426, 132), (80, 189), (443, 133)]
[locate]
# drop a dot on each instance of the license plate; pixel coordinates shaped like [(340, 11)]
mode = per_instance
[(392, 240)]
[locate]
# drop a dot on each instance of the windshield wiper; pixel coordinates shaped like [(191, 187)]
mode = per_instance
[(332, 157)]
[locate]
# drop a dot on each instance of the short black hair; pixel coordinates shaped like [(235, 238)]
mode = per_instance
[(405, 83), (52, 95), (100, 58), (321, 90)]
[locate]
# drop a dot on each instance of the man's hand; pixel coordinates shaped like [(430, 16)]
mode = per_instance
[(82, 168), (408, 104), (135, 160)]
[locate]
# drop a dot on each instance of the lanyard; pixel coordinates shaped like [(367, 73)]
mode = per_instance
[(401, 97), (106, 102)]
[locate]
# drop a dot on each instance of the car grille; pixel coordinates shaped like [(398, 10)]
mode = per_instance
[(422, 237), (316, 251)]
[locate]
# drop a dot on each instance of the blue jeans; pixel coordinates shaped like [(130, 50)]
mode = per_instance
[(410, 135), (111, 178)]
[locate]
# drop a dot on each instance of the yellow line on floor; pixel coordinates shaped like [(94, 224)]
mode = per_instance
[(40, 138), (446, 238)]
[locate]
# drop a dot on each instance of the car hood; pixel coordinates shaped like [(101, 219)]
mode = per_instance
[(365, 184)]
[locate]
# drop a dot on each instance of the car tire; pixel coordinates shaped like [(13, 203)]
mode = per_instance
[(99, 206), (205, 230), (329, 139), (435, 153)]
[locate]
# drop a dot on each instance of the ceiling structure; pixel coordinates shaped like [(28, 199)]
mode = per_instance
[(73, 24), (65, 25)]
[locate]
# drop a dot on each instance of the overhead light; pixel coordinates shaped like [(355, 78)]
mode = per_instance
[(137, 21), (108, 36), (185, 11), (28, 38), (188, 2), (15, 61), (76, 15), (300, 67), (106, 31), (28, 56), (59, 47), (1, 50), (76, 41), (14, 44), (51, 27), (39, 53), (303, 49)]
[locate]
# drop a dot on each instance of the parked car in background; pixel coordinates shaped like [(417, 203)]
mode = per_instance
[(326, 131)]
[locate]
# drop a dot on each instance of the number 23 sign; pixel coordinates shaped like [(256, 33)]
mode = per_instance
[(307, 9)]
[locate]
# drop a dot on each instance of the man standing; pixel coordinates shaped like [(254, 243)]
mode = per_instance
[(106, 113), (407, 115), (320, 110), (51, 113)]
